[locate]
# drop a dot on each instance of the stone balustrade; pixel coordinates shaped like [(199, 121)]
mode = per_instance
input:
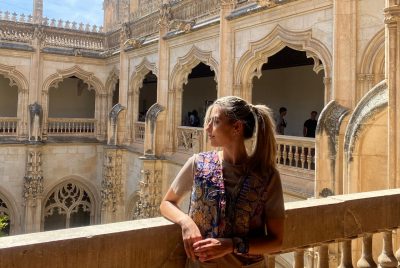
[(71, 25), (295, 152), (157, 243), (146, 26), (54, 37), (8, 126), (71, 126), (189, 139), (145, 9), (188, 10), (139, 132)]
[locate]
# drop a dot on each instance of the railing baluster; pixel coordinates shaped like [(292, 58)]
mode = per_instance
[(290, 156), (298, 259), (323, 258), (387, 259), (271, 261), (398, 257), (366, 260), (345, 260)]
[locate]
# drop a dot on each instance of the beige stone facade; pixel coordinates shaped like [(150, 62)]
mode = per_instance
[(84, 129)]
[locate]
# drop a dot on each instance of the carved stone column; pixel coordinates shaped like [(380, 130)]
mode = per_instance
[(112, 186), (123, 79), (387, 258), (37, 11), (366, 260), (392, 75), (150, 190), (114, 128), (226, 51), (33, 189)]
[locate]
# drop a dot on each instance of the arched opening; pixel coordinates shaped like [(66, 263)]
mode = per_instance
[(115, 94), (198, 94), (8, 107), (5, 216), (291, 80), (68, 205), (71, 108), (147, 95)]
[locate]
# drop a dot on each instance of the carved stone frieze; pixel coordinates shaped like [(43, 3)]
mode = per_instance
[(149, 195), (33, 179), (267, 3), (375, 101), (134, 42), (111, 192), (39, 35)]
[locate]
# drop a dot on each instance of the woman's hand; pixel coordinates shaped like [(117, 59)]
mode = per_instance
[(212, 248), (190, 234)]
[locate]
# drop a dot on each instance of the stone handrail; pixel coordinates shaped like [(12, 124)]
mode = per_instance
[(145, 26), (151, 6), (158, 243), (73, 39), (189, 10), (71, 25), (189, 139), (295, 152), (16, 32), (139, 131), (8, 126), (71, 126)]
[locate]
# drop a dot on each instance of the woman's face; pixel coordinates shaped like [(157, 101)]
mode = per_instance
[(218, 128)]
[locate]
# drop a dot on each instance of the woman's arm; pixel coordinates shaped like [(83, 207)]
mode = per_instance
[(190, 232)]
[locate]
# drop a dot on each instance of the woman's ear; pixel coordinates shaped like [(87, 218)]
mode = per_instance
[(238, 126)]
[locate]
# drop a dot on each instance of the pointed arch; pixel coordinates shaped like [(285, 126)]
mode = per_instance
[(250, 64), (81, 188), (141, 70), (15, 76), (372, 65), (180, 73), (87, 77), (8, 206), (111, 81)]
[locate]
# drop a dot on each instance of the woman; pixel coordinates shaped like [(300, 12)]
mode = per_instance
[(236, 210)]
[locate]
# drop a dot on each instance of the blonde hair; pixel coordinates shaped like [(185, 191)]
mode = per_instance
[(258, 123)]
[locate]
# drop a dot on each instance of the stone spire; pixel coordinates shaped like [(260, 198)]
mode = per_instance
[(37, 11)]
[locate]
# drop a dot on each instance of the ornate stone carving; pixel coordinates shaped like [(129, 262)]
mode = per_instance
[(113, 124), (111, 192), (165, 15), (125, 33), (134, 42), (182, 25), (375, 101), (33, 179), (329, 123), (149, 195), (151, 120), (35, 122), (39, 35)]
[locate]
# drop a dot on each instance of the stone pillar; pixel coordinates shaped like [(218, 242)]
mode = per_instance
[(33, 189), (113, 185), (35, 78), (123, 82), (165, 124), (344, 52), (37, 11), (226, 51), (392, 76)]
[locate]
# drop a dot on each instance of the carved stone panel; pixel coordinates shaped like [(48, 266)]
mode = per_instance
[(33, 179), (111, 192)]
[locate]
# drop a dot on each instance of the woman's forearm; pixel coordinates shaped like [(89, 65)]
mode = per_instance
[(264, 245), (172, 212)]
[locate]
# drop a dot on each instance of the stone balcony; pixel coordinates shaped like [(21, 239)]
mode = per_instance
[(157, 243)]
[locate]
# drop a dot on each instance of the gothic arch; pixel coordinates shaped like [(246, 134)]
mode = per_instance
[(82, 185), (112, 80), (185, 64), (363, 116), (18, 79), (15, 76), (372, 65), (250, 64), (9, 206), (93, 83)]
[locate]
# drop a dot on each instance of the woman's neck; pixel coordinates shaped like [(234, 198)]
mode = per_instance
[(235, 154)]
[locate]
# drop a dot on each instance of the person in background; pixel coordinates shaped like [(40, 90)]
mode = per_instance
[(281, 122), (236, 209), (310, 125)]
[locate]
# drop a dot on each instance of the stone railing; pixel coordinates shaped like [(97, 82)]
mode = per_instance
[(312, 224), (188, 10), (295, 152), (73, 39), (71, 25), (71, 126), (8, 126), (139, 132), (189, 139), (16, 32), (145, 27), (151, 6)]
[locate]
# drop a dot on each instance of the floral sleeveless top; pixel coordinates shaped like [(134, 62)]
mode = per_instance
[(217, 213)]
